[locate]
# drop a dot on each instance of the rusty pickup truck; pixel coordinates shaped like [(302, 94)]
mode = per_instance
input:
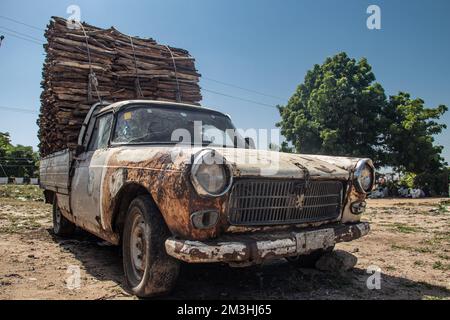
[(137, 179)]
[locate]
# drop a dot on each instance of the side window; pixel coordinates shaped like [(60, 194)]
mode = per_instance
[(102, 130)]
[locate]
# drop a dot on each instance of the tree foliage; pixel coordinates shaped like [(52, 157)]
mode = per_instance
[(16, 161), (5, 144), (336, 110), (408, 129), (340, 110)]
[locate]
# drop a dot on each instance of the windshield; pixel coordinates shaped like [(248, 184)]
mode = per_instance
[(147, 124)]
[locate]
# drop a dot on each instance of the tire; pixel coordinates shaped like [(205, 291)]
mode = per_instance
[(149, 270), (61, 226), (309, 260)]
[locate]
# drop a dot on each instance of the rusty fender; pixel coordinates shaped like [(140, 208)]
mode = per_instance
[(168, 183), (248, 249)]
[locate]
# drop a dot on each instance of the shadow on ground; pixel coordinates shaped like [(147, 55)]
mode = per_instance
[(275, 280)]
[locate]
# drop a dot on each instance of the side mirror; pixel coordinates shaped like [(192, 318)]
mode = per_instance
[(249, 143)]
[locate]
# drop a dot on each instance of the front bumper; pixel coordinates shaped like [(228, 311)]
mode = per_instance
[(255, 248)]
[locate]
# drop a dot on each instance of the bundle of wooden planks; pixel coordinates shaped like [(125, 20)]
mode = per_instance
[(85, 64)]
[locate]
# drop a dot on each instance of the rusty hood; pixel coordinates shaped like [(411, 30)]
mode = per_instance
[(264, 163), (244, 162)]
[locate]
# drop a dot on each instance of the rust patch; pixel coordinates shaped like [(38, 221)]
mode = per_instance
[(170, 187)]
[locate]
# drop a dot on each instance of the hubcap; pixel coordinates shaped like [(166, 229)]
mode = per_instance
[(138, 246)]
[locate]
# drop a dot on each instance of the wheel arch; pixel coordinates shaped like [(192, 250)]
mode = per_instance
[(122, 201)]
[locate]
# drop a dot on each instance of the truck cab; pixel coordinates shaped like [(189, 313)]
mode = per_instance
[(173, 182)]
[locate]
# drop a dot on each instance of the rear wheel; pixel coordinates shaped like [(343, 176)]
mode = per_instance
[(309, 260), (149, 270), (61, 226)]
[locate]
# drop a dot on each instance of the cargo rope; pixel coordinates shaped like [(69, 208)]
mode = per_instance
[(93, 81), (137, 82), (176, 74)]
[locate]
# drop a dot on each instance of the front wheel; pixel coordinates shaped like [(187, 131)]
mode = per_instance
[(61, 226), (149, 270)]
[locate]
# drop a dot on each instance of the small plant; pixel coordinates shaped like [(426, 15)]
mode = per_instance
[(444, 256), (443, 207), (411, 249), (390, 268), (422, 250), (403, 228), (438, 265)]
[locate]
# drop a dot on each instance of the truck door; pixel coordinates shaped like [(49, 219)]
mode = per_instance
[(87, 178)]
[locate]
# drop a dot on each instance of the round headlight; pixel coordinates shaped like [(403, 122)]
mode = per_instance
[(210, 174), (364, 175)]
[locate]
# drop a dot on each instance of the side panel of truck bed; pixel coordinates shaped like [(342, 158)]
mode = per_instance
[(55, 170)]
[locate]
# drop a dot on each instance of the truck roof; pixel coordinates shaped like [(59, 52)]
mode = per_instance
[(116, 106)]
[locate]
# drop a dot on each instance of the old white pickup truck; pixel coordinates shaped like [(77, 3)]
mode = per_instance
[(138, 180)]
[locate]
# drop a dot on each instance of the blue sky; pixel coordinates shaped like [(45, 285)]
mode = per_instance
[(263, 45)]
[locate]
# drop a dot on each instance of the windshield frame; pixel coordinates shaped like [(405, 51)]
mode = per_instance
[(179, 107)]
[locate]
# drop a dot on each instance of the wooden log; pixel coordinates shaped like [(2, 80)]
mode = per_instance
[(116, 63)]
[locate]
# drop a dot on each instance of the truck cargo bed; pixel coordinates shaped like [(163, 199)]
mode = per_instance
[(55, 171)]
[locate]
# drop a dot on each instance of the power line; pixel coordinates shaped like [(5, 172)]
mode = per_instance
[(19, 37), (240, 98), (23, 110), (203, 77), (21, 34), (38, 41), (22, 23), (242, 88), (19, 110)]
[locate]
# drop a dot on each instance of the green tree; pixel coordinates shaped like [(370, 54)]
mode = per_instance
[(5, 143), (17, 161), (409, 128), (5, 146), (336, 110)]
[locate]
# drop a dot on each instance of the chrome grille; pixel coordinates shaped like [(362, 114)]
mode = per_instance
[(270, 202)]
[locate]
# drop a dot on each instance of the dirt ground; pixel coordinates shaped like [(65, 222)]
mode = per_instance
[(409, 241)]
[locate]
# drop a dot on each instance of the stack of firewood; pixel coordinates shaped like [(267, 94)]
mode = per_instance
[(86, 64)]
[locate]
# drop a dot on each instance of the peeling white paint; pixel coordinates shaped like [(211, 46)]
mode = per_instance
[(196, 251), (248, 250), (116, 182), (281, 247), (363, 229), (313, 240)]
